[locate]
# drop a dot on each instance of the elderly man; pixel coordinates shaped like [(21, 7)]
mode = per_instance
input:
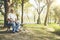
[(12, 21)]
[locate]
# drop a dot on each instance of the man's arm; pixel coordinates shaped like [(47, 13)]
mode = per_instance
[(9, 20)]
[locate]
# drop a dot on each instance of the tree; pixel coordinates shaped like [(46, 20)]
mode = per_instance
[(39, 9), (22, 4), (6, 11), (7, 5), (22, 13), (48, 7), (57, 14)]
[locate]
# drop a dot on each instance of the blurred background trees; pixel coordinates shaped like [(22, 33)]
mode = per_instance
[(32, 11)]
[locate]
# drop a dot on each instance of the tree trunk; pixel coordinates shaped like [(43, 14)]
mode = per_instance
[(28, 18), (22, 13), (6, 11), (45, 22), (48, 20), (50, 17), (38, 20), (49, 2), (55, 20), (34, 17), (59, 21)]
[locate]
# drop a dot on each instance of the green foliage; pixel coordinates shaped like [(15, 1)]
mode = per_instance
[(57, 11), (1, 1), (20, 1), (27, 4)]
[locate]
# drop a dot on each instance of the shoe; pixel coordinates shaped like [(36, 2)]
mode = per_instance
[(13, 31), (16, 31)]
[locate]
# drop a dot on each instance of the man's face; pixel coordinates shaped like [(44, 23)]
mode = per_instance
[(12, 11)]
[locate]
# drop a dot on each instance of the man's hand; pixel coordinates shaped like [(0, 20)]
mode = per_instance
[(10, 20)]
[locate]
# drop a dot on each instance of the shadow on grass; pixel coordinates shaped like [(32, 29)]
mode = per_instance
[(57, 32), (6, 32)]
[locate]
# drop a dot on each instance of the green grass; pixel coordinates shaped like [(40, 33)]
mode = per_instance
[(34, 32), (1, 21), (42, 28), (40, 31), (55, 26)]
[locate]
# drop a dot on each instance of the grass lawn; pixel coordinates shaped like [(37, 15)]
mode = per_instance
[(1, 19), (42, 32), (1, 22), (33, 32)]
